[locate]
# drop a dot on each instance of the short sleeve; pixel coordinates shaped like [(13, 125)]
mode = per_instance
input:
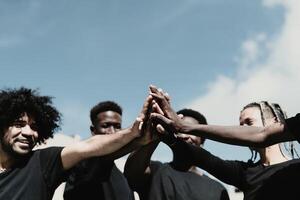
[(293, 125), (51, 166)]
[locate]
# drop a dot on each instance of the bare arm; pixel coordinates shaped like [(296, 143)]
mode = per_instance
[(238, 135), (244, 135), (100, 145), (97, 145), (137, 168), (146, 135), (187, 155)]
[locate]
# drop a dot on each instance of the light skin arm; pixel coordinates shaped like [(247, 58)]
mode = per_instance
[(243, 135), (100, 145), (146, 136), (238, 135)]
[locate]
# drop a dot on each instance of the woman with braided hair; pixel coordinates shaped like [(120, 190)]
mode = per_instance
[(268, 178)]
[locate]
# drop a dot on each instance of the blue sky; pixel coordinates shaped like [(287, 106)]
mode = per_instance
[(83, 52)]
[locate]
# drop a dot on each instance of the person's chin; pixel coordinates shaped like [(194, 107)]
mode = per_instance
[(22, 149), (192, 143)]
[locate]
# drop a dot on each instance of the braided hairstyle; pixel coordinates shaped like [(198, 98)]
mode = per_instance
[(270, 110)]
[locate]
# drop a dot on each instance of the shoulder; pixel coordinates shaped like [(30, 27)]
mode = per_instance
[(155, 165), (293, 126), (47, 152)]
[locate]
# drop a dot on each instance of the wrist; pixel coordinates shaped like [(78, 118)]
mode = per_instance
[(184, 128), (132, 133), (170, 140)]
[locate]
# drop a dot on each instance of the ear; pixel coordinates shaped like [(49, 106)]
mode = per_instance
[(92, 129), (273, 120), (270, 121)]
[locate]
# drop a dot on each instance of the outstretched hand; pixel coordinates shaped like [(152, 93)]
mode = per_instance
[(164, 114), (144, 127)]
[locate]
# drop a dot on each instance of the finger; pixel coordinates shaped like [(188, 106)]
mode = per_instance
[(160, 128), (161, 91), (167, 96), (153, 88), (141, 126), (156, 108), (180, 116), (146, 107), (157, 96), (137, 122), (159, 118)]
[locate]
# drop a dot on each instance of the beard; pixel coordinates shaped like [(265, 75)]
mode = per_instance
[(9, 150)]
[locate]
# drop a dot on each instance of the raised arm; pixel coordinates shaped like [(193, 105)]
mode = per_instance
[(187, 155), (100, 145), (238, 135), (145, 136), (230, 172), (137, 168)]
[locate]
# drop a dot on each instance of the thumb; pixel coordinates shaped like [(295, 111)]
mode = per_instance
[(160, 128)]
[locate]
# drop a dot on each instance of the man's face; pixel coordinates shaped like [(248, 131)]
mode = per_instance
[(191, 139), (21, 136), (107, 122), (251, 117)]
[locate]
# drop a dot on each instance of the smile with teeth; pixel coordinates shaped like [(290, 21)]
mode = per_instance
[(24, 141)]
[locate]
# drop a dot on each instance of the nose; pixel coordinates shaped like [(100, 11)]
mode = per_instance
[(111, 130), (184, 136), (27, 131)]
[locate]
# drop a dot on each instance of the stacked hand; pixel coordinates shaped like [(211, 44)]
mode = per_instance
[(157, 119), (166, 116), (145, 129)]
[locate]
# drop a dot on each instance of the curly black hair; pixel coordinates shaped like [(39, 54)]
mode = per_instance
[(103, 107), (15, 102), (196, 115)]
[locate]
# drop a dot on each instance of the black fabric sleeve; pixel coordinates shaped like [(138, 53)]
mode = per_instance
[(51, 166), (182, 158), (230, 172), (224, 195), (154, 166), (293, 125)]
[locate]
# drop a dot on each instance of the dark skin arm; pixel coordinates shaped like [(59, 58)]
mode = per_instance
[(238, 135), (137, 168), (187, 155)]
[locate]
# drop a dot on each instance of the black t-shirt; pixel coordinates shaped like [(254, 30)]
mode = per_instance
[(170, 184), (35, 178), (254, 179), (293, 125), (97, 179)]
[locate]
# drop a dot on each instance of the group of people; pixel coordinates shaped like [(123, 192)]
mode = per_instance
[(28, 118)]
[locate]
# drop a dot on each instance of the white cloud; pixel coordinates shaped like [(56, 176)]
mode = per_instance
[(269, 69)]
